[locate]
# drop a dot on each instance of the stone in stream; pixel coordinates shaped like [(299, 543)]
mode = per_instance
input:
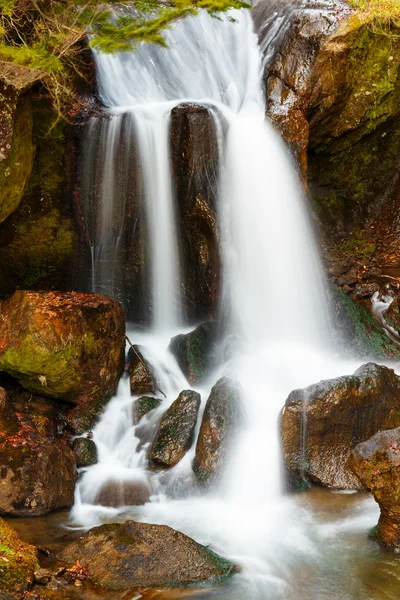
[(194, 351), (144, 405), (174, 435), (119, 492), (392, 315), (221, 418), (321, 424), (18, 563), (64, 345), (376, 463), (130, 555), (85, 452), (142, 378)]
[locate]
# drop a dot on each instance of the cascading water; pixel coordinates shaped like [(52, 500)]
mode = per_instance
[(272, 302)]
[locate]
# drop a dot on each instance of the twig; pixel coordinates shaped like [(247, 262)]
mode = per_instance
[(145, 366)]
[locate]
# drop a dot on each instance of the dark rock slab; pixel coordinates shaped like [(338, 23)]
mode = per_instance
[(194, 351)]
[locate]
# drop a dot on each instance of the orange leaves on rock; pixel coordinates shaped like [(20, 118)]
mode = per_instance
[(77, 573)]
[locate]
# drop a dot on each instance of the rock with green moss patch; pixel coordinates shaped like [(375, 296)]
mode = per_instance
[(18, 560), (85, 452), (322, 423), (135, 554), (195, 351), (221, 419), (144, 405), (64, 345), (376, 463), (175, 431)]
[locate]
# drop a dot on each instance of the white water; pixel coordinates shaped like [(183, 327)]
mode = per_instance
[(273, 303)]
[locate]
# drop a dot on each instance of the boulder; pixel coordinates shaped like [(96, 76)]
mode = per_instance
[(174, 435), (130, 555), (143, 380), (376, 463), (321, 424), (392, 315), (195, 160), (221, 418), (194, 351), (119, 492), (84, 417), (85, 452), (144, 405), (18, 561), (64, 345)]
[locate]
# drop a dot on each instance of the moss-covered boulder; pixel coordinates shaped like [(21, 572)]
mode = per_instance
[(64, 345), (322, 423), (175, 431), (195, 351), (376, 463), (144, 405), (134, 555), (18, 560), (85, 452), (221, 419)]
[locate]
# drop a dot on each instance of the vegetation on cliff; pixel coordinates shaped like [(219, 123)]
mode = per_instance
[(47, 35)]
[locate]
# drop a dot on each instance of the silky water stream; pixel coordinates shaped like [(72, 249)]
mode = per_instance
[(312, 545)]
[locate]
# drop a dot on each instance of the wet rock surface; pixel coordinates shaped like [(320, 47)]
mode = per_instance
[(321, 424), (20, 562), (194, 156), (144, 405), (392, 315), (117, 492), (142, 379), (221, 419), (85, 452), (175, 432), (195, 351), (142, 555), (376, 463), (65, 345)]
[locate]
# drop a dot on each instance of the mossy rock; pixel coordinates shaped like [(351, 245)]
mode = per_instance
[(357, 330), (20, 560), (195, 351), (16, 169), (144, 405), (130, 555), (85, 452)]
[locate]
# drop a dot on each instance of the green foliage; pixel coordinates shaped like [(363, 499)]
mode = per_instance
[(47, 35), (378, 10)]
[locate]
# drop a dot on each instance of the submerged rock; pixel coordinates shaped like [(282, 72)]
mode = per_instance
[(144, 405), (142, 378), (134, 555), (221, 418), (85, 452), (194, 351), (376, 462), (321, 424), (174, 435), (65, 345), (19, 561), (118, 492)]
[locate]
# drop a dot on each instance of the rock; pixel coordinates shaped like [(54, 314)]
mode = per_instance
[(21, 561), (134, 555), (194, 351), (392, 315), (195, 160), (221, 418), (85, 452), (85, 416), (64, 345), (142, 379), (42, 576), (323, 422), (376, 463), (119, 492), (174, 435), (144, 405), (36, 476)]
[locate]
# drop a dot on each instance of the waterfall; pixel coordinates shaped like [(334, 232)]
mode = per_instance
[(273, 300)]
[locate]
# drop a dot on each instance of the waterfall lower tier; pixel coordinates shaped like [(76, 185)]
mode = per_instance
[(272, 308)]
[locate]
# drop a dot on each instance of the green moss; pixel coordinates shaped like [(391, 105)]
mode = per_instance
[(361, 331), (21, 560), (16, 169), (357, 245)]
